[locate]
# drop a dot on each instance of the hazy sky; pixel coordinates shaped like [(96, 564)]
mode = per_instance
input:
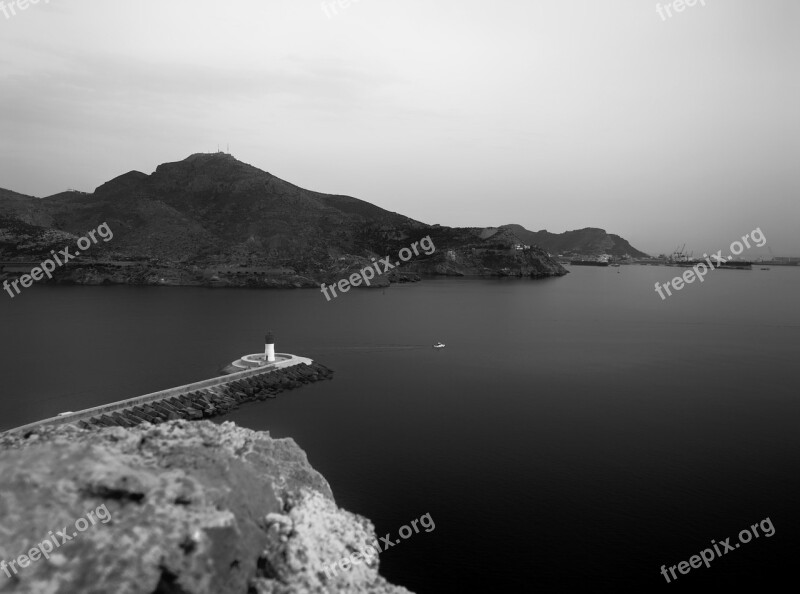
[(554, 114)]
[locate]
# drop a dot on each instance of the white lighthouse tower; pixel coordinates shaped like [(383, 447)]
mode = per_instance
[(269, 348)]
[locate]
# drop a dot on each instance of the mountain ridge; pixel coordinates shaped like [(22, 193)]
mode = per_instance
[(586, 241), (213, 220)]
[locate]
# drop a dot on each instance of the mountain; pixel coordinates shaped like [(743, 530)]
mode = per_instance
[(213, 220), (589, 241)]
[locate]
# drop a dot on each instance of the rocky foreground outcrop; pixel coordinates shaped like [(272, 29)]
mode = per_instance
[(177, 508)]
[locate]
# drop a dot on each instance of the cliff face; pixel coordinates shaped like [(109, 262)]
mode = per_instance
[(177, 508)]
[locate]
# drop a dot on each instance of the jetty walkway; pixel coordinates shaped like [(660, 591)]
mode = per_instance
[(204, 399)]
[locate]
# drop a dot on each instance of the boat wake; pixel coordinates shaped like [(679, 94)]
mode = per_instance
[(373, 348)]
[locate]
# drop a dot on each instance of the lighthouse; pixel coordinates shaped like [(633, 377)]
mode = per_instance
[(269, 348)]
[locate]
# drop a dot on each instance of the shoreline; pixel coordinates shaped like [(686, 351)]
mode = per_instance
[(98, 277)]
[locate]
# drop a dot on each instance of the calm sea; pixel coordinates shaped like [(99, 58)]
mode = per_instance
[(575, 434)]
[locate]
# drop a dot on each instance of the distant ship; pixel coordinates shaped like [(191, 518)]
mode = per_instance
[(730, 264), (781, 262), (736, 265), (680, 258), (589, 263)]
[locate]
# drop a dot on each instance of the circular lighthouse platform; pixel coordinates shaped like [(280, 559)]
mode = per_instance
[(257, 360)]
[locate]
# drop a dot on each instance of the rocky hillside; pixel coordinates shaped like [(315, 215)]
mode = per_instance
[(176, 508), (587, 241), (216, 221)]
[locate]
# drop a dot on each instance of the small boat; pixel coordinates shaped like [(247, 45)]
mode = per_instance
[(765, 269), (439, 345)]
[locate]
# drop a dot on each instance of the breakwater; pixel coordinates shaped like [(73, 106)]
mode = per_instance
[(199, 400)]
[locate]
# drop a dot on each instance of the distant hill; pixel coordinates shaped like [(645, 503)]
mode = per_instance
[(211, 219), (589, 241)]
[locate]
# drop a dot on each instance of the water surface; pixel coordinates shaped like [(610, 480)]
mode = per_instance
[(575, 432)]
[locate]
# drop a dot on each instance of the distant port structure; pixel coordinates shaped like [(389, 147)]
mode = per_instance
[(252, 377)]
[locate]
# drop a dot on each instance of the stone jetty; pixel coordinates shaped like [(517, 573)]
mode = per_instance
[(202, 400), (214, 401)]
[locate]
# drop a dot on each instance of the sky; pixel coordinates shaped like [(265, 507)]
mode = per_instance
[(666, 128)]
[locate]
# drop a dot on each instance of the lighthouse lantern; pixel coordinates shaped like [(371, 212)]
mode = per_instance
[(269, 348)]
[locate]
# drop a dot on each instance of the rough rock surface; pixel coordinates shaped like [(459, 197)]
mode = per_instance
[(193, 507)]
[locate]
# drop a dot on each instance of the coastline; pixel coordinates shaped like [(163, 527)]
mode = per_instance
[(93, 274)]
